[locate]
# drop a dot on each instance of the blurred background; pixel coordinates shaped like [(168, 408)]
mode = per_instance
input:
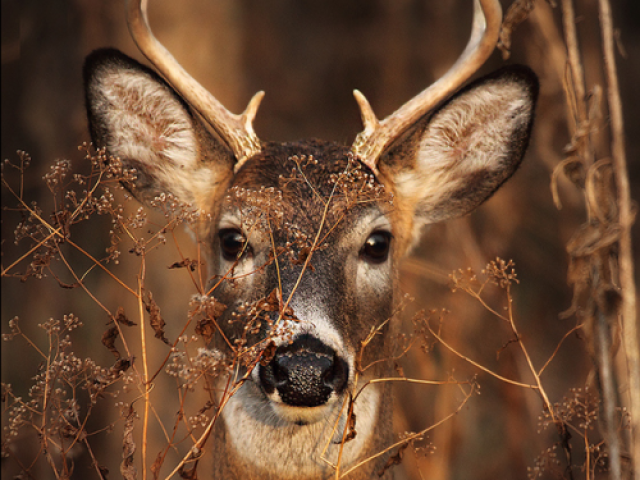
[(308, 57)]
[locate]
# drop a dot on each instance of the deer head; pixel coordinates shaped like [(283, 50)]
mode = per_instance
[(307, 236)]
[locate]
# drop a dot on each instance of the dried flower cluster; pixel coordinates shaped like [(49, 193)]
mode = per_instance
[(68, 391), (65, 391)]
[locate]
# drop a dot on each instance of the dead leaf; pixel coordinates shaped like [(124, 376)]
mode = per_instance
[(121, 366), (303, 255), (591, 237), (157, 464), (207, 406), (206, 328), (127, 469), (215, 309), (272, 302), (268, 353), (155, 320), (185, 263), (394, 459), (517, 13), (122, 319), (189, 474), (104, 471), (351, 428), (109, 339)]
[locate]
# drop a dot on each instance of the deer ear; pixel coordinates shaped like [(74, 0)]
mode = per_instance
[(139, 118), (455, 159)]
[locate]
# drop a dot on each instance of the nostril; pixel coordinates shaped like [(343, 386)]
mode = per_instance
[(280, 371), (336, 377), (267, 378)]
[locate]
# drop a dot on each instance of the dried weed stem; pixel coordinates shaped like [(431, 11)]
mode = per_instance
[(625, 219)]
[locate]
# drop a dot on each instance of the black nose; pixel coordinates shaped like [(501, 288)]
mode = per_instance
[(305, 373)]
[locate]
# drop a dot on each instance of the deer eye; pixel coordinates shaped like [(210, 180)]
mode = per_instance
[(233, 243), (376, 247)]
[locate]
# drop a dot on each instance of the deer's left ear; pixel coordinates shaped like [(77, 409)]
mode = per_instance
[(457, 157)]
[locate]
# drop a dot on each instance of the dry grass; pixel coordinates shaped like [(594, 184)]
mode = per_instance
[(146, 399)]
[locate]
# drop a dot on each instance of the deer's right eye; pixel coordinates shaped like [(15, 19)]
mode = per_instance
[(233, 243), (376, 248)]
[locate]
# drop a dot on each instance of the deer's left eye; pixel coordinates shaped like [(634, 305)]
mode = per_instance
[(376, 247), (233, 243)]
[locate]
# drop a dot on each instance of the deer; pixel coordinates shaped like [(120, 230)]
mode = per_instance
[(314, 227)]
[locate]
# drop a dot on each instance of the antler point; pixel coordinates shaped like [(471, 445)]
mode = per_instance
[(369, 119)]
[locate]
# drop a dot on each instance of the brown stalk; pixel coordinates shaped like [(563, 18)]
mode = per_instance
[(625, 219), (577, 82), (145, 366)]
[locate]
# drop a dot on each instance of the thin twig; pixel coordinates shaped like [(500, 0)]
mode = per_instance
[(477, 365), (550, 359), (145, 367), (413, 436)]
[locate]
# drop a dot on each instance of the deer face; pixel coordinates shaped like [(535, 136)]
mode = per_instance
[(308, 228), (303, 239)]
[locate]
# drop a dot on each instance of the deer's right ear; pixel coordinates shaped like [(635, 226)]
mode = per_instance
[(138, 117)]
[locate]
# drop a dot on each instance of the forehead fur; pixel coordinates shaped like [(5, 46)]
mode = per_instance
[(300, 182)]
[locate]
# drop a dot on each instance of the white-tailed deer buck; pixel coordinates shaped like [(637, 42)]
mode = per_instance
[(307, 236)]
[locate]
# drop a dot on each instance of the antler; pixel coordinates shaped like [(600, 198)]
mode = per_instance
[(235, 130), (378, 135)]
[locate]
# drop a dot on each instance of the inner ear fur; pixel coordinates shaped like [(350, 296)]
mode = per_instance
[(139, 118), (455, 158)]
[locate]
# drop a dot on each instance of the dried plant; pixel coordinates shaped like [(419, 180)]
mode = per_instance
[(73, 404), (67, 390)]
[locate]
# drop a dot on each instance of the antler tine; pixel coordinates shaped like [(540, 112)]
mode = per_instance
[(235, 130), (376, 136)]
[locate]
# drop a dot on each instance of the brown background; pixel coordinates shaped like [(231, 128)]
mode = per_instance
[(308, 56)]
